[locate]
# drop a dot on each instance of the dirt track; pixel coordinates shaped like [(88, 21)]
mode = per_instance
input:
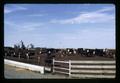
[(11, 72)]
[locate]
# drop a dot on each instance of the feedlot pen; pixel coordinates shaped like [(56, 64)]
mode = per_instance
[(83, 68)]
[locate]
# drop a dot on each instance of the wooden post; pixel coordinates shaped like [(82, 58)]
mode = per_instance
[(14, 53), (38, 59), (19, 55), (27, 56), (69, 67), (53, 65), (114, 56)]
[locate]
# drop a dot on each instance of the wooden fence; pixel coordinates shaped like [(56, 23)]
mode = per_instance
[(86, 68)]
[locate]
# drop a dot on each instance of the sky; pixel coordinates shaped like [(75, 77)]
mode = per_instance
[(60, 25)]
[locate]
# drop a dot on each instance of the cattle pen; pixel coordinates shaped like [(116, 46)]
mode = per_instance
[(74, 63)]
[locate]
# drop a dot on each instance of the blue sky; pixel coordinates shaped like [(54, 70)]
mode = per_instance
[(60, 25)]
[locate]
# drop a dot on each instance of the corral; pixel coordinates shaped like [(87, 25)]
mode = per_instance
[(97, 60)]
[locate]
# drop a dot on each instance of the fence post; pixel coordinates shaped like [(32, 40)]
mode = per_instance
[(19, 55), (53, 65), (69, 67), (38, 59), (27, 56)]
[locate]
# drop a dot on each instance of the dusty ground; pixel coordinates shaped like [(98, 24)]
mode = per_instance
[(11, 72)]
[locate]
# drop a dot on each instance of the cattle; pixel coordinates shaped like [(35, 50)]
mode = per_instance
[(30, 53), (74, 51), (80, 51), (69, 51), (23, 53), (8, 51), (58, 53), (110, 53), (50, 54), (11, 53), (99, 52), (83, 52), (90, 52), (45, 56), (16, 52)]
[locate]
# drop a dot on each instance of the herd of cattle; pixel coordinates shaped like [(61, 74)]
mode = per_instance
[(50, 53)]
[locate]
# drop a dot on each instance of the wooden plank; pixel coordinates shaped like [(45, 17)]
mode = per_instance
[(94, 71), (92, 66), (94, 62), (61, 68), (61, 61), (92, 76), (60, 72)]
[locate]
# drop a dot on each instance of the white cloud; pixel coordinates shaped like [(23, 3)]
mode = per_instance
[(10, 23), (31, 26), (13, 8), (7, 11), (97, 16), (20, 7), (105, 9), (25, 26)]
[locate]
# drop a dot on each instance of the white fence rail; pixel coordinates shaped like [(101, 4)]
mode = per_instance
[(61, 68), (86, 68), (94, 62)]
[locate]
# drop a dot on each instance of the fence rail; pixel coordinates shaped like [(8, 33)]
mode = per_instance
[(93, 71), (61, 68), (93, 76), (61, 72), (91, 66), (87, 69), (62, 61), (94, 62)]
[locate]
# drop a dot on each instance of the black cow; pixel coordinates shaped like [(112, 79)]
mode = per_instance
[(110, 53), (8, 51), (99, 52), (50, 55), (80, 51), (69, 51), (91, 53), (84, 52)]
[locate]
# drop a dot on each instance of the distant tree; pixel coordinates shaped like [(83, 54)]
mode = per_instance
[(18, 46), (31, 45), (15, 46), (27, 47), (22, 45)]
